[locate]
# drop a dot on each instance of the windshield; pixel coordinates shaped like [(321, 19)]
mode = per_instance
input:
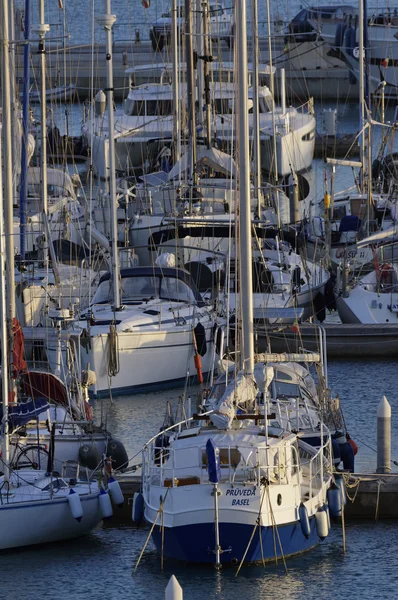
[(143, 287)]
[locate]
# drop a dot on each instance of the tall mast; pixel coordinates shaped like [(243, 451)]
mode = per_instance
[(206, 74), (41, 29), (362, 95), (176, 87), (244, 192), (25, 130), (3, 330), (256, 108), (272, 90), (8, 183), (190, 90), (107, 21)]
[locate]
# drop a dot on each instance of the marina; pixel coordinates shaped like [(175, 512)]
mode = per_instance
[(198, 207)]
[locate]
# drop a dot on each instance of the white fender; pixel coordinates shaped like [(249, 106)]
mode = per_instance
[(105, 504), (75, 505), (115, 492), (321, 522)]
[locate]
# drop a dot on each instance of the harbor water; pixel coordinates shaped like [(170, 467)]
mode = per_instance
[(101, 564)]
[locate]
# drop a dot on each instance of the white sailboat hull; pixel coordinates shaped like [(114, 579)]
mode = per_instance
[(38, 521), (147, 360)]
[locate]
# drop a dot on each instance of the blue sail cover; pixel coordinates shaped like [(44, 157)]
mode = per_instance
[(213, 461), (20, 414)]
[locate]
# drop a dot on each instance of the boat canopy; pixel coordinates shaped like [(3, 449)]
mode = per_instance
[(209, 157), (59, 182), (137, 283)]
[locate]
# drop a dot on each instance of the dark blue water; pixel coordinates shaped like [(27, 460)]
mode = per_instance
[(101, 565)]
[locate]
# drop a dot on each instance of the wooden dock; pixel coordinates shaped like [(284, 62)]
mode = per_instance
[(343, 340)]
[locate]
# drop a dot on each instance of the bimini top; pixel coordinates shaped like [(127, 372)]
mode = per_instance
[(169, 283)]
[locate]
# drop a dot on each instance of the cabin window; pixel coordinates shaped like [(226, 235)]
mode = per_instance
[(309, 136), (223, 106), (287, 389), (137, 108), (339, 212), (158, 108), (215, 10), (177, 290), (139, 287), (229, 457)]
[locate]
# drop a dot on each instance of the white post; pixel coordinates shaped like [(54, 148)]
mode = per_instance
[(217, 549), (384, 436), (173, 589), (244, 192), (283, 92)]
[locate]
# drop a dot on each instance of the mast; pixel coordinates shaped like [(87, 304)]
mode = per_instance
[(41, 29), (25, 130), (106, 21), (3, 332), (362, 95), (272, 90), (206, 75), (244, 192), (8, 183), (256, 109), (190, 90), (176, 87)]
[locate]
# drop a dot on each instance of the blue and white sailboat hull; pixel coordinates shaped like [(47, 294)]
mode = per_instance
[(195, 543)]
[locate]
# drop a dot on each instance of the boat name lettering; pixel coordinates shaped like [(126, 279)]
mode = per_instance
[(240, 502), (393, 307), (341, 252), (240, 493)]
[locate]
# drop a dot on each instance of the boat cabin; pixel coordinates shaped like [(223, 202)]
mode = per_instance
[(140, 284)]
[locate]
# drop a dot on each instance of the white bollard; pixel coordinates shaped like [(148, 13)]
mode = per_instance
[(173, 589), (384, 436)]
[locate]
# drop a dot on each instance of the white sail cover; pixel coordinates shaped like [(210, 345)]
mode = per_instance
[(263, 375), (167, 259), (240, 391)]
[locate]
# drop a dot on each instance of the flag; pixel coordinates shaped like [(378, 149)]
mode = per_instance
[(146, 3), (384, 62)]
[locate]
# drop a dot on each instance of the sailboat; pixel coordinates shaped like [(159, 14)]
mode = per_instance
[(37, 506), (226, 485), (146, 327)]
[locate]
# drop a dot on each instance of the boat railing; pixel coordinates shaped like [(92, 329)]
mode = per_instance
[(317, 464), (244, 464)]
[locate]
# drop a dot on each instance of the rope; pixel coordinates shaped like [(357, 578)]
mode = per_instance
[(150, 533), (275, 528), (113, 356), (378, 499), (257, 524)]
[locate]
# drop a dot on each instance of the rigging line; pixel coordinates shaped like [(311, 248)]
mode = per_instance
[(257, 524), (160, 510)]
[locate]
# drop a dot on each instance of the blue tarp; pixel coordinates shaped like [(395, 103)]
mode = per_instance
[(22, 413), (213, 461), (350, 223)]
